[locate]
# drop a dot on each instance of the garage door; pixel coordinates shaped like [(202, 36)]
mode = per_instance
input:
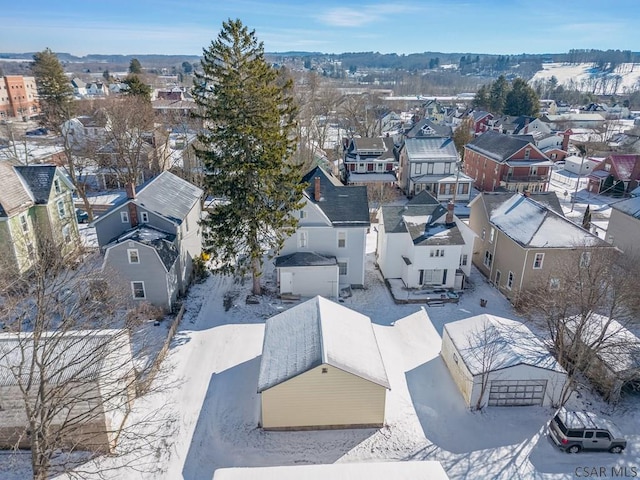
[(517, 392)]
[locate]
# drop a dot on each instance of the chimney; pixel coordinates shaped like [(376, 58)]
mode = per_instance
[(316, 189), (526, 193), (130, 188), (449, 218), (526, 126), (565, 141)]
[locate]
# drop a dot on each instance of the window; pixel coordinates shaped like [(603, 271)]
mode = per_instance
[(436, 252), (418, 169), (303, 239), (484, 233), (342, 268), (24, 222), (144, 218), (510, 281), (133, 255), (585, 259), (342, 239), (498, 277), (61, 210), (488, 259), (554, 283), (447, 167), (56, 186), (464, 258), (66, 233), (137, 289), (30, 249), (537, 261), (124, 217), (302, 214), (588, 434), (527, 153), (492, 234), (430, 168), (602, 435)]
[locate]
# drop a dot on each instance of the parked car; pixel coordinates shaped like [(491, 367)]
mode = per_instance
[(82, 216), (577, 431), (37, 132)]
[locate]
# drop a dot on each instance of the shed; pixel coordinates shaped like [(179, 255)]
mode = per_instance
[(499, 362), (321, 368)]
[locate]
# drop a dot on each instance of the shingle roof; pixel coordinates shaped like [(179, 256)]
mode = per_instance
[(162, 242), (304, 259), (345, 206), (493, 200), (14, 194), (418, 130), (630, 206), (39, 179), (431, 148), (166, 195), (319, 332), (497, 146), (627, 166)]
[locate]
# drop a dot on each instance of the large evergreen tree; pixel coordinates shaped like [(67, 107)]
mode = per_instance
[(249, 116), (521, 99), (54, 89), (137, 87), (498, 95), (134, 66)]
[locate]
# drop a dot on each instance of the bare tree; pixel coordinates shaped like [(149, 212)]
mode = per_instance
[(68, 378), (588, 281), (484, 345)]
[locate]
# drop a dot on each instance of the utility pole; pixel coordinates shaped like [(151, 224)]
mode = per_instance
[(583, 154)]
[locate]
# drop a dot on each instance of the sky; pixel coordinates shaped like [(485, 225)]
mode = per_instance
[(185, 27)]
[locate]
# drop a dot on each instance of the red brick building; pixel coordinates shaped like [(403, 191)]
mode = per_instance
[(18, 97), (497, 161)]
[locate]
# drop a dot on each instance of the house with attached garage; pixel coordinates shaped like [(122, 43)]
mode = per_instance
[(524, 239), (495, 361), (151, 237), (321, 368), (327, 251), (35, 205), (424, 244)]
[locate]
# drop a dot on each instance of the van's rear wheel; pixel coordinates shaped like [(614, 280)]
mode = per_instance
[(574, 449), (616, 449)]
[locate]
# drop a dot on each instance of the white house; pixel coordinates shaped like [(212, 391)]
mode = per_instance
[(321, 368), (499, 362), (424, 244), (327, 251)]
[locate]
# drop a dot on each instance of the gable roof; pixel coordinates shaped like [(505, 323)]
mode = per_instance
[(493, 200), (345, 206), (161, 242), (14, 194), (319, 332), (510, 343), (166, 195), (627, 166), (532, 225), (498, 146), (425, 125), (431, 148), (39, 179)]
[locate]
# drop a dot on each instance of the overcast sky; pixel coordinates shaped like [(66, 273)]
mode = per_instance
[(329, 26)]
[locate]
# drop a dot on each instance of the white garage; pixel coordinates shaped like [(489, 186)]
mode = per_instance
[(321, 368), (308, 274), (495, 361)]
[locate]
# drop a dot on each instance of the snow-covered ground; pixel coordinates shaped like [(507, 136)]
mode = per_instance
[(584, 77), (215, 358)]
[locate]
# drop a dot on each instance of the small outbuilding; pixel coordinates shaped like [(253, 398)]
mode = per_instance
[(499, 362), (321, 368)]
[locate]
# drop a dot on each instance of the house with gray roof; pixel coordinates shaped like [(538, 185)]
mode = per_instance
[(424, 244), (35, 205), (369, 161), (623, 229), (431, 163), (514, 163), (524, 239), (321, 368), (150, 237), (327, 251)]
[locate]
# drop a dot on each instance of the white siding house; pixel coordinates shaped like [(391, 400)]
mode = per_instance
[(499, 362), (327, 251), (424, 244), (321, 368)]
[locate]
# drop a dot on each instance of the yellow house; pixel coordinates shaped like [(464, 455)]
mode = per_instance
[(321, 368)]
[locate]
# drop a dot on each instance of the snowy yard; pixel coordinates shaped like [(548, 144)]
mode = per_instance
[(215, 357)]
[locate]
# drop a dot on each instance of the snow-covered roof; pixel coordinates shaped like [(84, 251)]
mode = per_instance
[(630, 206), (319, 332), (614, 344), (505, 342), (532, 224), (411, 470)]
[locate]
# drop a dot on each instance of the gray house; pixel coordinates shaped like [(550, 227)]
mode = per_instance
[(327, 251), (151, 237)]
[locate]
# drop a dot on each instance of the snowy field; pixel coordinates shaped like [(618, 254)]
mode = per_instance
[(214, 364), (585, 78)]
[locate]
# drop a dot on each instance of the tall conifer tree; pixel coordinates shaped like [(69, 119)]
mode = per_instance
[(248, 114), (54, 89)]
